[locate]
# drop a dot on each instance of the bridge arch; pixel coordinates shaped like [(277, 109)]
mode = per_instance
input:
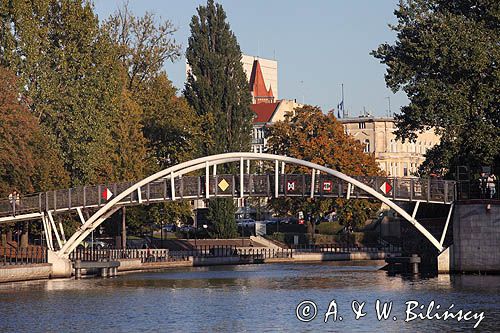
[(204, 162)]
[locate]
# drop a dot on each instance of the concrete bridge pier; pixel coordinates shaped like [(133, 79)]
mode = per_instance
[(476, 239), (61, 268)]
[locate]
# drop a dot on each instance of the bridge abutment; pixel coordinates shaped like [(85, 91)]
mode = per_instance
[(61, 268), (476, 238)]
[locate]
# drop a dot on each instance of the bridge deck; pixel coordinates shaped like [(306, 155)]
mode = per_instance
[(194, 187)]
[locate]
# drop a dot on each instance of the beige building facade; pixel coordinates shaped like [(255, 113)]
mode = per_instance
[(268, 68), (396, 158), (267, 114)]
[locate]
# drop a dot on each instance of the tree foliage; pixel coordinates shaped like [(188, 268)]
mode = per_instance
[(171, 126), (217, 86), (221, 214), (311, 135), (446, 60), (28, 159), (217, 89), (143, 44), (70, 78)]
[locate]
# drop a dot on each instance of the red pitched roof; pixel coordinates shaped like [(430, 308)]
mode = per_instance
[(263, 111), (257, 84)]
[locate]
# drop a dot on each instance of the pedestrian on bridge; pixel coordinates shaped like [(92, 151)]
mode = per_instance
[(483, 181), (491, 185), (14, 200)]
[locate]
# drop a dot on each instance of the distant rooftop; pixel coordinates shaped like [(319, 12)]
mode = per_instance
[(263, 111)]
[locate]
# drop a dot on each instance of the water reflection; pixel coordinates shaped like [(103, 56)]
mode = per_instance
[(238, 298)]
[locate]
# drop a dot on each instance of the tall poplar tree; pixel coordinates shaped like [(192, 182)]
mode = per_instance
[(217, 89), (217, 86)]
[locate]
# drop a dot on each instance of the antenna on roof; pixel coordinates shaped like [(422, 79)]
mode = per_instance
[(389, 111)]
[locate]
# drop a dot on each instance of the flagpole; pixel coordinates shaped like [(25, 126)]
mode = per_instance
[(343, 105)]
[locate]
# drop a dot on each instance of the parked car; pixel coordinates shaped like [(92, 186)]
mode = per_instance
[(245, 222), (170, 228), (96, 244), (187, 228)]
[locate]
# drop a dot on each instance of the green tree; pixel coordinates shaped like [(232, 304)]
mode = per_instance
[(29, 160), (309, 134), (130, 156), (171, 126), (217, 89), (446, 60), (70, 79), (216, 86), (221, 214), (143, 44)]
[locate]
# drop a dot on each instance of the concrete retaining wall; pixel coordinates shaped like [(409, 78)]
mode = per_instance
[(137, 265), (25, 272), (208, 261), (476, 237), (339, 256)]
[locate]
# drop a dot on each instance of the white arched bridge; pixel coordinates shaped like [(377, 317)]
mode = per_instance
[(176, 183)]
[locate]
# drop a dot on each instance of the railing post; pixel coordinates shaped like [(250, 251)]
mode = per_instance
[(40, 202), (445, 199), (172, 186), (428, 189), (313, 180), (55, 200), (276, 178), (412, 186), (69, 198), (241, 178), (268, 179), (99, 195), (84, 196), (207, 180)]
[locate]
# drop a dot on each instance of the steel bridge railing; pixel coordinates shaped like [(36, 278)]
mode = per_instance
[(212, 251), (193, 187)]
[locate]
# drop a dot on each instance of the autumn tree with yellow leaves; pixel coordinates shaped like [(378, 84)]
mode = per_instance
[(311, 135)]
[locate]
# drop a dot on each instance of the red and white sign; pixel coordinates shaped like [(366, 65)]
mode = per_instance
[(290, 185), (107, 194), (327, 186), (386, 187)]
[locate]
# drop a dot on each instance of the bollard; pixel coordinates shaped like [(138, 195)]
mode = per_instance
[(104, 272), (414, 263), (78, 270)]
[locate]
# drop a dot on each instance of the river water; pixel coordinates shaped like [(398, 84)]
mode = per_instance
[(249, 298)]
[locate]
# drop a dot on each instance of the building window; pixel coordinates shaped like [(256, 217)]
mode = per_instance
[(361, 125), (367, 146), (394, 147), (405, 169)]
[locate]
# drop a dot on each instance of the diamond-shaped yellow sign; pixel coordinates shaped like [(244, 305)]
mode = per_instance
[(223, 184)]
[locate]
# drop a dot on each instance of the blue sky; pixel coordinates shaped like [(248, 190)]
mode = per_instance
[(318, 44)]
